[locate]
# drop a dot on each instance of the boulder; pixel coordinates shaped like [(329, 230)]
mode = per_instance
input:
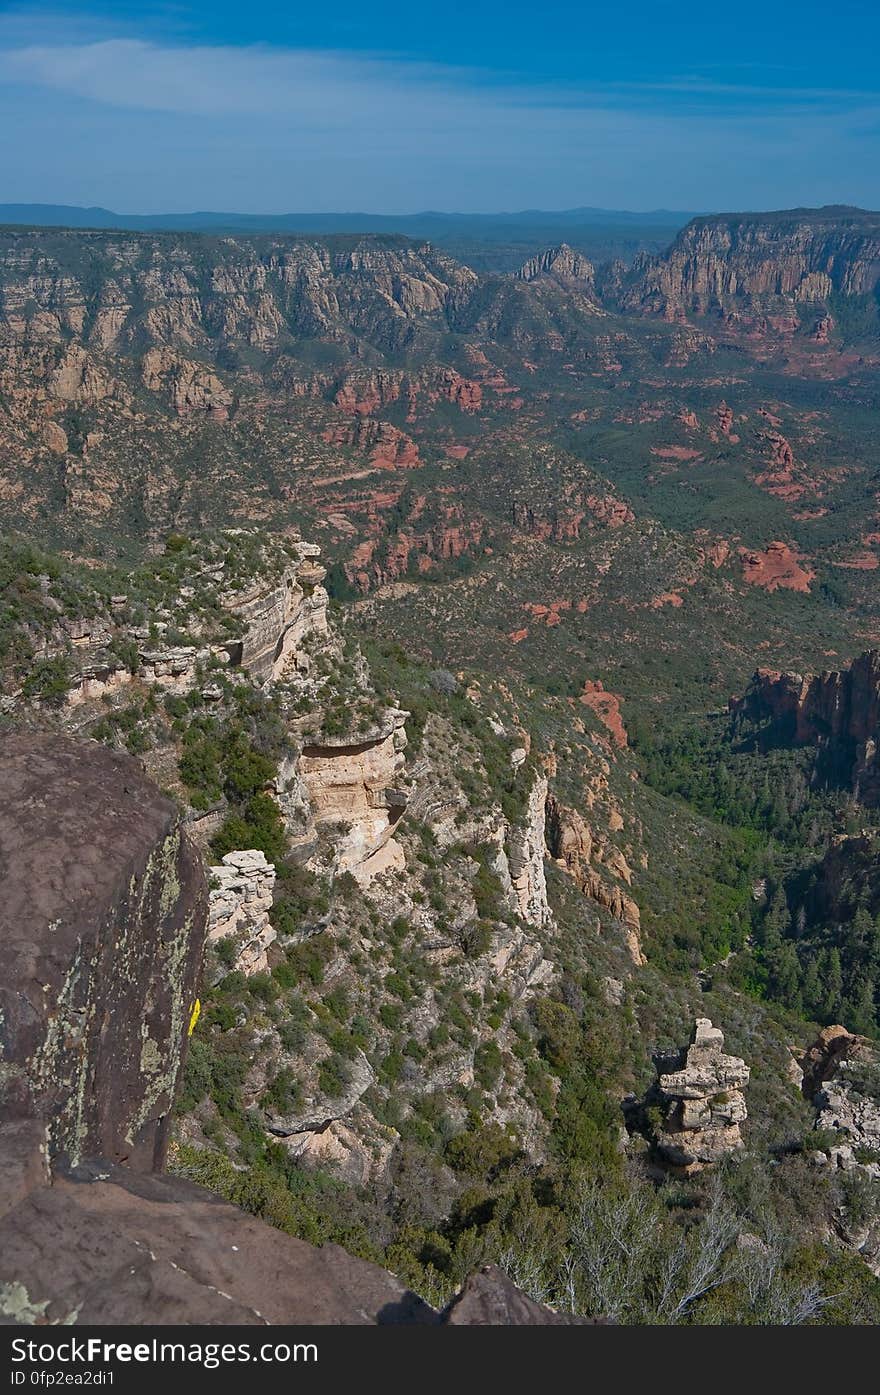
[(101, 934), (490, 1299)]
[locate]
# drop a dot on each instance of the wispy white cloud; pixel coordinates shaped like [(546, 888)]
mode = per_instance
[(260, 79), (270, 128)]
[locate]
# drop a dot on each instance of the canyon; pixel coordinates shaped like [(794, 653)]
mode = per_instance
[(369, 625)]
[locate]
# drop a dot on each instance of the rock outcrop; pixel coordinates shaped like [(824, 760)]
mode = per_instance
[(272, 617), (240, 898), (778, 568), (489, 1299), (832, 1068), (355, 787), (571, 843), (759, 270), (189, 386), (321, 1109), (103, 921), (837, 711), (841, 1078), (562, 263), (521, 864), (703, 1103), (845, 1110), (279, 615), (105, 1245)]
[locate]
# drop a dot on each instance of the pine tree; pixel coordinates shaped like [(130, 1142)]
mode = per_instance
[(832, 985), (784, 968), (776, 920), (811, 986)]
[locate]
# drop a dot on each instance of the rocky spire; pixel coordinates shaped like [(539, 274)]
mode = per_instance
[(703, 1102), (562, 263)]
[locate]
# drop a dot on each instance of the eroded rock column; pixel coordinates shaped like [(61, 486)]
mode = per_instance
[(703, 1101)]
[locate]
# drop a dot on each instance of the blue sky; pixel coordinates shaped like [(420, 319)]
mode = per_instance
[(398, 107)]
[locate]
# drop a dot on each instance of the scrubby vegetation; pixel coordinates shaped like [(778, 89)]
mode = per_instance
[(577, 516)]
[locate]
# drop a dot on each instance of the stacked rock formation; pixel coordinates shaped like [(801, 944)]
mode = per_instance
[(704, 1103), (240, 900)]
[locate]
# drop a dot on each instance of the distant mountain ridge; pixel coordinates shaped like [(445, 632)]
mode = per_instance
[(422, 224)]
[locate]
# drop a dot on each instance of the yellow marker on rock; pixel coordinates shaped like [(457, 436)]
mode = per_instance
[(194, 1016)]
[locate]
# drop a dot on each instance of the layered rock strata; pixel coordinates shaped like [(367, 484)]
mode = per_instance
[(356, 787), (277, 617), (703, 1103), (240, 898), (761, 269), (519, 862)]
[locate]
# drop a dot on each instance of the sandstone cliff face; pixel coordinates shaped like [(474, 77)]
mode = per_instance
[(526, 850), (837, 711), (703, 1103), (189, 386), (759, 270), (278, 611), (453, 537), (366, 392), (258, 292), (778, 567), (100, 673), (562, 263), (355, 788), (277, 617), (103, 914), (570, 841)]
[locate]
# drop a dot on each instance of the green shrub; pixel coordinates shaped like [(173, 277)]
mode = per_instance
[(334, 1076), (488, 1065), (48, 681)]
